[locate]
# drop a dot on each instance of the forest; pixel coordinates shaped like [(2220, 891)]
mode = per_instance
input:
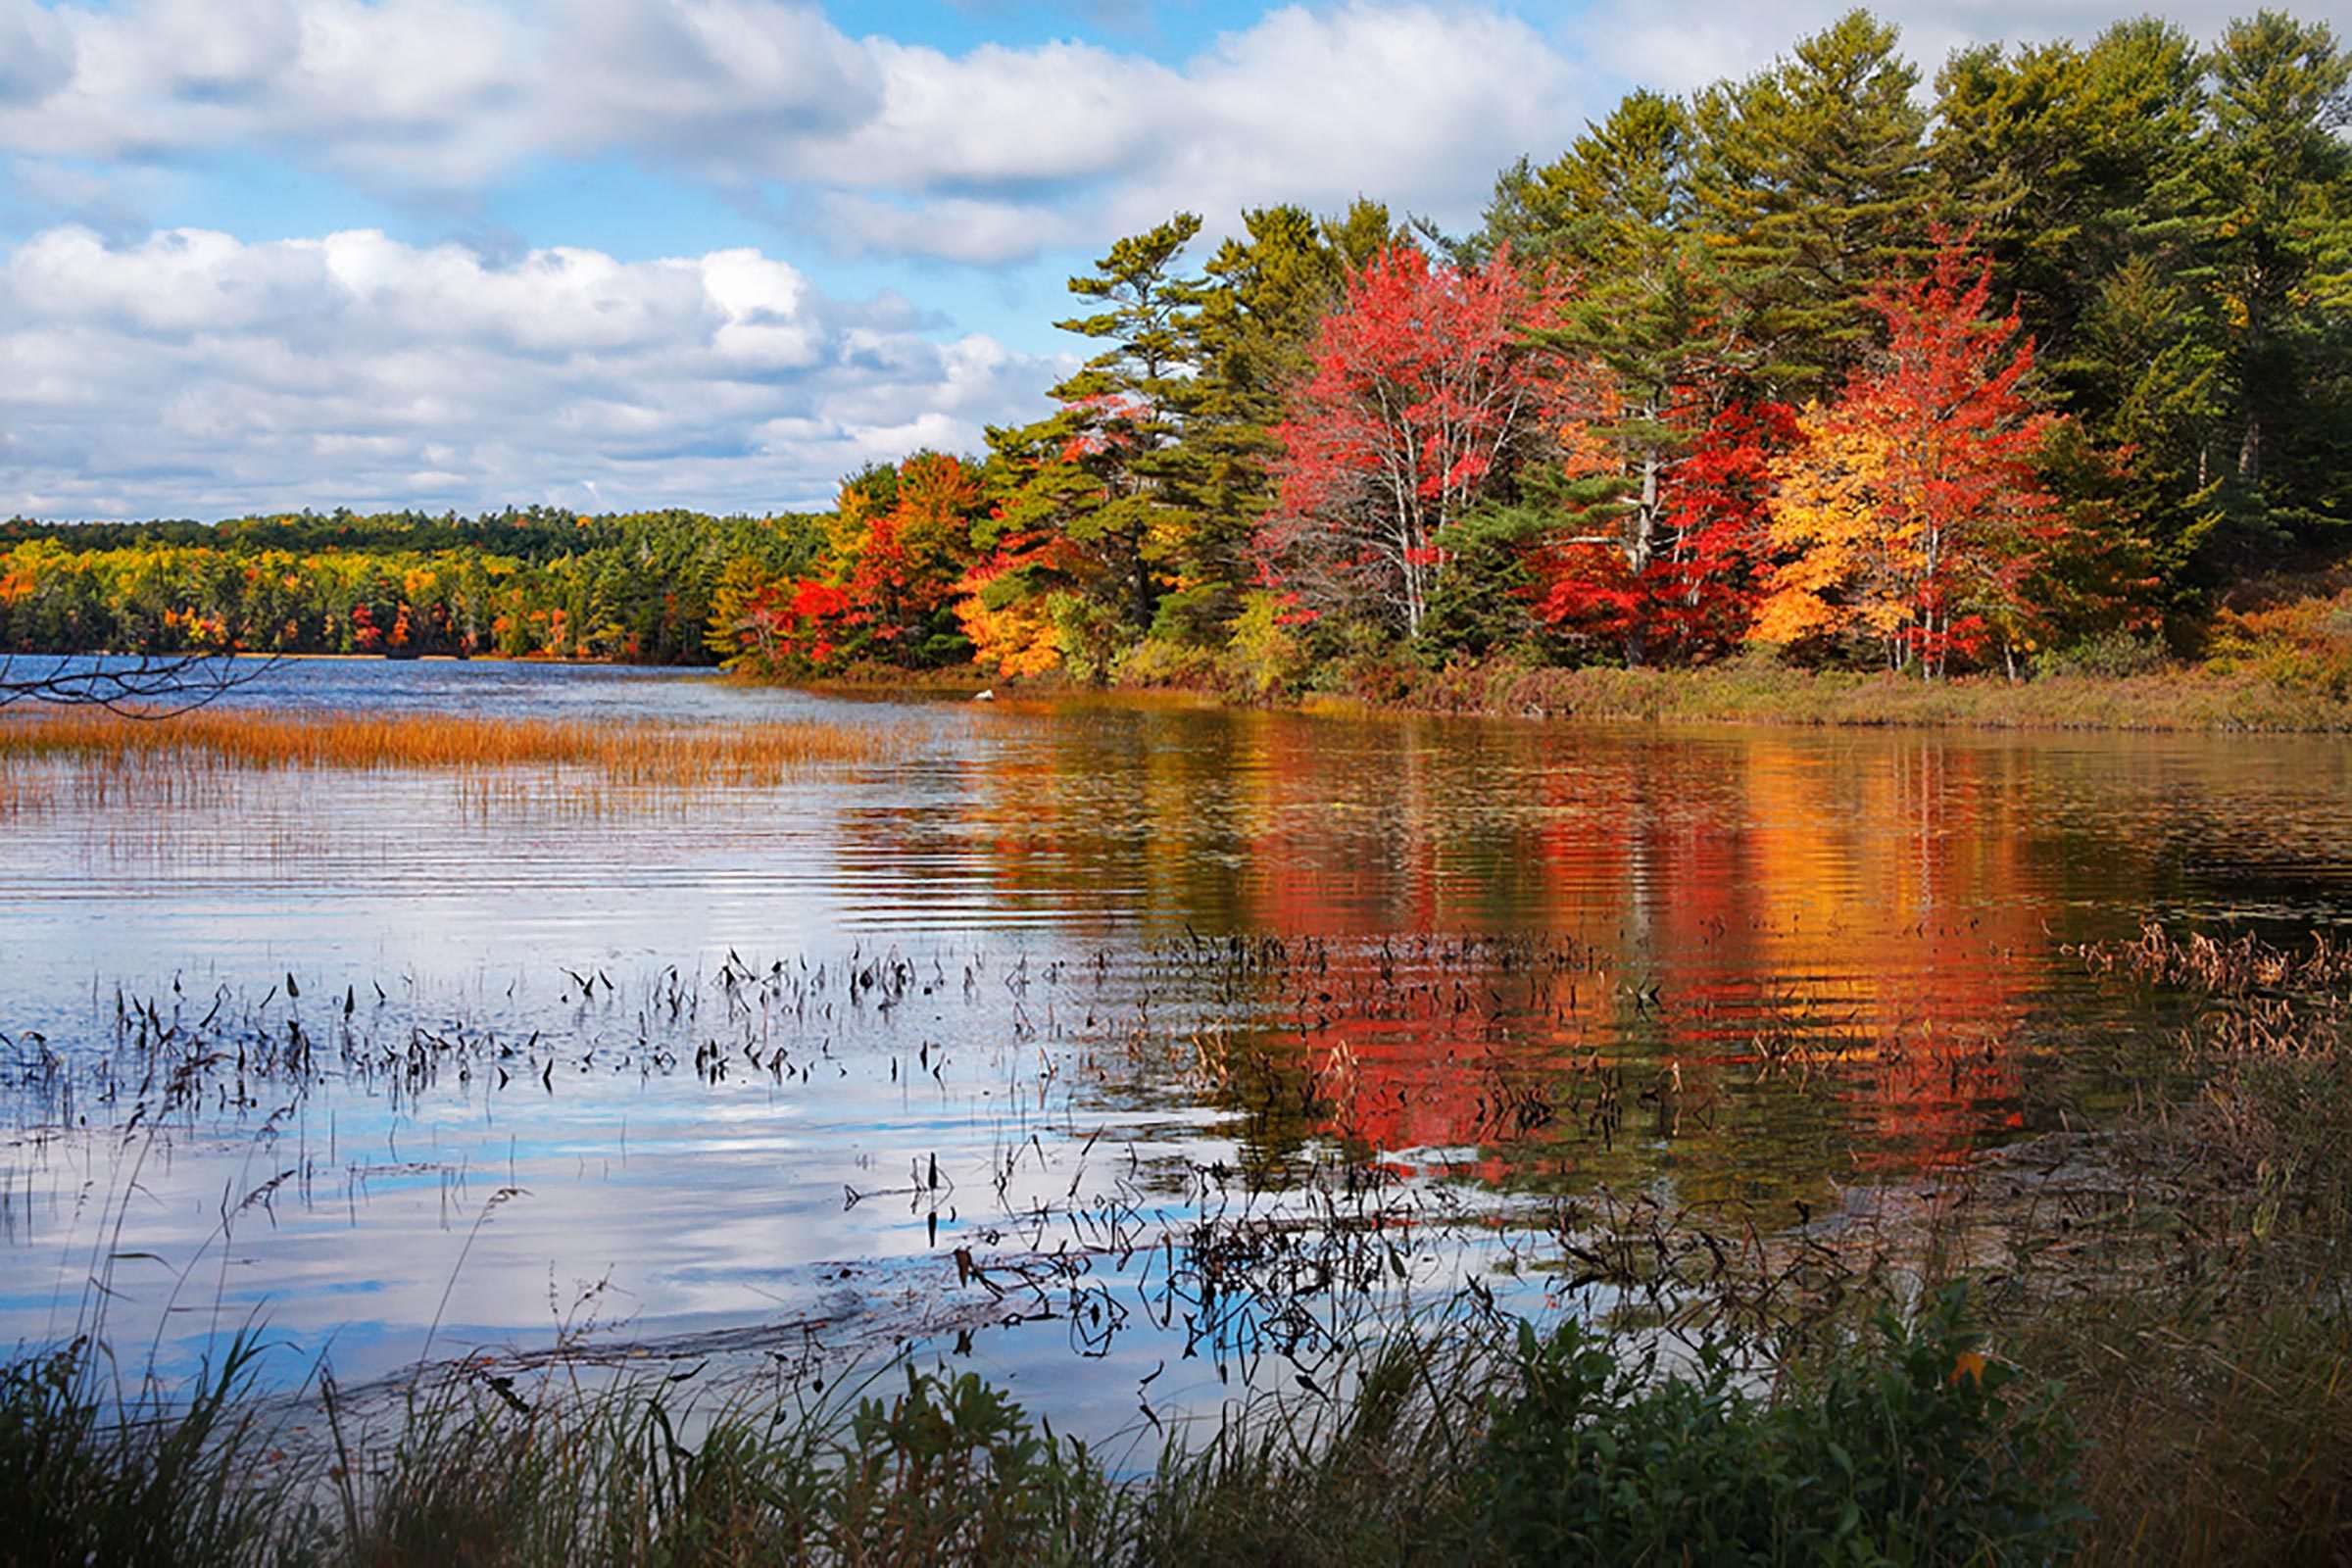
[(2046, 367)]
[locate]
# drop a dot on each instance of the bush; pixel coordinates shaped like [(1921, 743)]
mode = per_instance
[(2110, 655), (1916, 1454)]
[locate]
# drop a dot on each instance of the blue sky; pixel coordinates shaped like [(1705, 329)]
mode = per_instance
[(264, 254)]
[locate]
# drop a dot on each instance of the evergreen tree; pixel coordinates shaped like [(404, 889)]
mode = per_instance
[(1266, 292), (2276, 184), (1812, 176), (1099, 472), (1646, 348)]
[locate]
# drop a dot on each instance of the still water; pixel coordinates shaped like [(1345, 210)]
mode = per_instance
[(1056, 1039)]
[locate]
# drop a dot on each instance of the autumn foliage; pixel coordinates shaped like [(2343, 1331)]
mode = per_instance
[(1422, 391), (1694, 594), (885, 589), (1910, 513)]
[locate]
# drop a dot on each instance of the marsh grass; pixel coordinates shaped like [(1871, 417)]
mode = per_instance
[(626, 753), (2122, 1343), (1491, 1442), (1757, 690), (2185, 1271), (93, 1473)]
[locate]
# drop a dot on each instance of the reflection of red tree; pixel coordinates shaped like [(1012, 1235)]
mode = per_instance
[(1859, 904), (1867, 902)]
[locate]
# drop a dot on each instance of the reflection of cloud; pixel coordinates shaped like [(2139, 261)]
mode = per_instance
[(194, 372)]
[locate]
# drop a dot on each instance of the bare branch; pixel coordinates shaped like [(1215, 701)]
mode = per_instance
[(145, 686)]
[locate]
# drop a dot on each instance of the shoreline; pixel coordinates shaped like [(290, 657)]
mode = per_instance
[(2182, 700), (2177, 701)]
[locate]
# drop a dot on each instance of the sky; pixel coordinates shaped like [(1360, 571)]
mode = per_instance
[(610, 255)]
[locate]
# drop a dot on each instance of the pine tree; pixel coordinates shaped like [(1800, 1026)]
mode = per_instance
[(1812, 178), (1099, 471), (1266, 292), (2276, 179), (1648, 343)]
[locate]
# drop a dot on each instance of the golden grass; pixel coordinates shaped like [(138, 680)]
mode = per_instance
[(633, 752)]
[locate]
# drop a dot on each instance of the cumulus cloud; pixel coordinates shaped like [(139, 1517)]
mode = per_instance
[(983, 157), (191, 370), (903, 147), (1676, 45), (193, 373)]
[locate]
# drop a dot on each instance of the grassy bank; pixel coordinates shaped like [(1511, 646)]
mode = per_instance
[(2118, 1343), (1912, 1448), (2274, 698), (2182, 698)]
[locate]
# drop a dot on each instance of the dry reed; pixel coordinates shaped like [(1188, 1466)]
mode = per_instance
[(633, 752)]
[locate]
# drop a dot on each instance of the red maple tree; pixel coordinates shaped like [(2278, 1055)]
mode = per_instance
[(1422, 384), (1697, 592)]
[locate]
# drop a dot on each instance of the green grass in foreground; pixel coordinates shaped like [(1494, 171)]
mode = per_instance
[(1913, 1449)]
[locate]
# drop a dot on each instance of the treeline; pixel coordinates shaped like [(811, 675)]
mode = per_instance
[(535, 583), (1794, 361)]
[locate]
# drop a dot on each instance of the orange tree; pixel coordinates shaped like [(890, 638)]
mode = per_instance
[(1909, 515)]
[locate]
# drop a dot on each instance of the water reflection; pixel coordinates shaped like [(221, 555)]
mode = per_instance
[(1161, 971)]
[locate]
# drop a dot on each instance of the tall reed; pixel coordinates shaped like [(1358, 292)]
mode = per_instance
[(635, 752)]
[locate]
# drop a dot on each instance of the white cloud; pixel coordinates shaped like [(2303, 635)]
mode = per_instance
[(192, 373), (191, 370), (985, 157), (1676, 45), (981, 157), (36, 54)]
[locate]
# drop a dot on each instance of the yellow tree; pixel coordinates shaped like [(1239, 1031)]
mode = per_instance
[(1912, 511)]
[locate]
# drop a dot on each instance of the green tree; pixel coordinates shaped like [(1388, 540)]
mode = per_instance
[(2276, 186), (1647, 347), (1267, 291), (1097, 471), (1812, 178)]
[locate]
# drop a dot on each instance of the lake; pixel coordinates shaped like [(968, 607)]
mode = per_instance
[(1134, 1054)]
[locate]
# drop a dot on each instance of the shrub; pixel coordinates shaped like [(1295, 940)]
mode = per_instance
[(2112, 655), (1916, 1454)]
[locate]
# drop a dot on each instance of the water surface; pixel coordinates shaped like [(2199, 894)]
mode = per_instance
[(1133, 1005)]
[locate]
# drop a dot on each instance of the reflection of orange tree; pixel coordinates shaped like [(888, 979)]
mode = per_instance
[(1899, 869), (1734, 896), (1746, 906)]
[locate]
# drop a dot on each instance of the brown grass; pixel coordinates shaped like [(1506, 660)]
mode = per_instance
[(649, 754), (1758, 691)]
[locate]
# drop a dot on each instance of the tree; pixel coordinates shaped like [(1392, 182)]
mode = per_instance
[(1695, 592), (1265, 292), (1099, 471), (1648, 349), (2068, 163), (2277, 189), (1812, 175), (1911, 512), (910, 558), (142, 686), (1422, 394)]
